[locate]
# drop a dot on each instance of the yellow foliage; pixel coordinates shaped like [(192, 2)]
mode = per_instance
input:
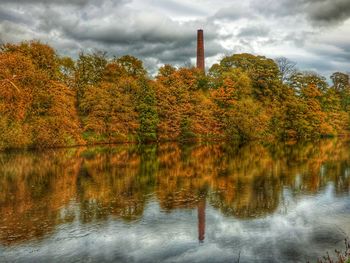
[(48, 101)]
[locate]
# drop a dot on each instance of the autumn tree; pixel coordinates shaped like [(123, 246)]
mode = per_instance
[(184, 107), (45, 107), (335, 115), (47, 100), (16, 77), (118, 101), (316, 124), (42, 56)]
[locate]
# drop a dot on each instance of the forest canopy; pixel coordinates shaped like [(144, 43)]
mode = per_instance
[(47, 100)]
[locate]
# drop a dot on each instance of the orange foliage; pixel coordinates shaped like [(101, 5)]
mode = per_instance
[(35, 109), (48, 101)]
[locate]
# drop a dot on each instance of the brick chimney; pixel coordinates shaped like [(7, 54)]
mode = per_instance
[(200, 50)]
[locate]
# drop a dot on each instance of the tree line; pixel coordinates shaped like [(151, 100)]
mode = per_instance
[(47, 100)]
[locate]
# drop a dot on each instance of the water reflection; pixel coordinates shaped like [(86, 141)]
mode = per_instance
[(42, 191)]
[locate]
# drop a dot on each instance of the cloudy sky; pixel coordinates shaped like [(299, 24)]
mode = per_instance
[(313, 33)]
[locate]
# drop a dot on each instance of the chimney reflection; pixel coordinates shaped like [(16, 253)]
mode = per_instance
[(201, 220)]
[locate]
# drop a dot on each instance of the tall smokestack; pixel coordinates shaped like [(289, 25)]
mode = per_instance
[(200, 50)]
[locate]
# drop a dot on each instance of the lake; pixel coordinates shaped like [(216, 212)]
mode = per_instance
[(175, 203)]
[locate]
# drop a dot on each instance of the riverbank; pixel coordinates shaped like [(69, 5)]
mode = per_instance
[(189, 141)]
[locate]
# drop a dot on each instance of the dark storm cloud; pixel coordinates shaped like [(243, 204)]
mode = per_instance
[(233, 13), (163, 51), (145, 35), (110, 33), (60, 2), (56, 2), (329, 11), (322, 12), (254, 31), (12, 16)]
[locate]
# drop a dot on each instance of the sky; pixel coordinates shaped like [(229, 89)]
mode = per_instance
[(313, 33)]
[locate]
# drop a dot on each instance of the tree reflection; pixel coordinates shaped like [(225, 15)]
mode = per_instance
[(33, 189), (40, 190)]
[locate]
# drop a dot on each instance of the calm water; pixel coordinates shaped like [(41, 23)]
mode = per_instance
[(171, 203)]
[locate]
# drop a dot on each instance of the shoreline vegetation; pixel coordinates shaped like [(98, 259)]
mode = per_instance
[(341, 256), (48, 101)]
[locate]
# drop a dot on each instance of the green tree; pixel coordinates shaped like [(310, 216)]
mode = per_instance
[(341, 85), (301, 80), (89, 71), (131, 66), (148, 115), (262, 71), (340, 81)]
